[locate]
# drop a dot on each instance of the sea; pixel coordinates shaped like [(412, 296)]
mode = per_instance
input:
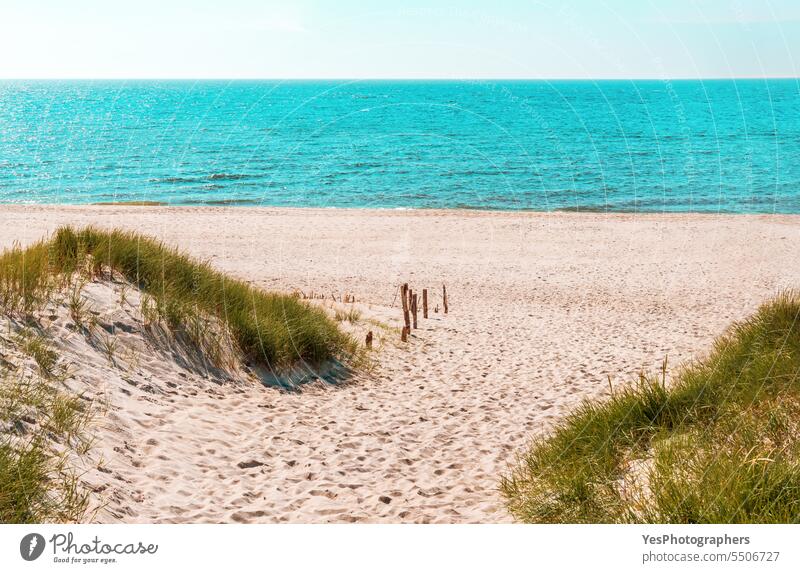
[(721, 146)]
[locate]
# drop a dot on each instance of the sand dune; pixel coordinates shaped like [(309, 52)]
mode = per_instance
[(544, 307)]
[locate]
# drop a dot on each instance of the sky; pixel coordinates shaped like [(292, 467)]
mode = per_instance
[(406, 39)]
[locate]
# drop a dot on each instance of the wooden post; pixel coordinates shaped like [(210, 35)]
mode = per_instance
[(404, 297), (444, 298), (424, 303), (369, 339), (414, 309)]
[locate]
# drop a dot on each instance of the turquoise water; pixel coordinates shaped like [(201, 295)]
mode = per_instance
[(719, 146)]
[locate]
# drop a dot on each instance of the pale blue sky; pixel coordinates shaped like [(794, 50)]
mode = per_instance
[(411, 39)]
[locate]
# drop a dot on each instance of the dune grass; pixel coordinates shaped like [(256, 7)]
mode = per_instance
[(39, 348), (719, 444), (273, 330), (352, 316), (43, 429)]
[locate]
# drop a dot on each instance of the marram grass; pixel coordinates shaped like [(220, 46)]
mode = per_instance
[(274, 330), (719, 444), (37, 482)]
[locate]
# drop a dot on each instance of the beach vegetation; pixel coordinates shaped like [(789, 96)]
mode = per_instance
[(78, 307), (43, 429), (718, 442), (351, 315), (38, 347), (26, 283), (108, 346), (271, 329)]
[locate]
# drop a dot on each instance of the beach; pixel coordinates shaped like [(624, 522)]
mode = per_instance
[(545, 310)]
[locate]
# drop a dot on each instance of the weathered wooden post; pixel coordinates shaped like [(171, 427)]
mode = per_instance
[(444, 298), (404, 297), (424, 303), (414, 309), (369, 339)]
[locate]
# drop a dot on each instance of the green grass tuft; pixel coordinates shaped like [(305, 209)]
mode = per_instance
[(39, 348), (718, 445), (274, 330), (26, 280), (352, 316), (37, 483)]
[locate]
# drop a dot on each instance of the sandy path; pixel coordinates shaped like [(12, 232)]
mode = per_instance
[(543, 308)]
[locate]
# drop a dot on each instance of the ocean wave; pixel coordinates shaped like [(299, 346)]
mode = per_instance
[(226, 202), (203, 179), (174, 180), (229, 176)]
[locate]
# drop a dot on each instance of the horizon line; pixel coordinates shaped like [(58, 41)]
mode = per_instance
[(402, 79)]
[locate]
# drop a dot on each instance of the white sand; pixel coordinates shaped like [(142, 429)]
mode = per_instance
[(543, 308)]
